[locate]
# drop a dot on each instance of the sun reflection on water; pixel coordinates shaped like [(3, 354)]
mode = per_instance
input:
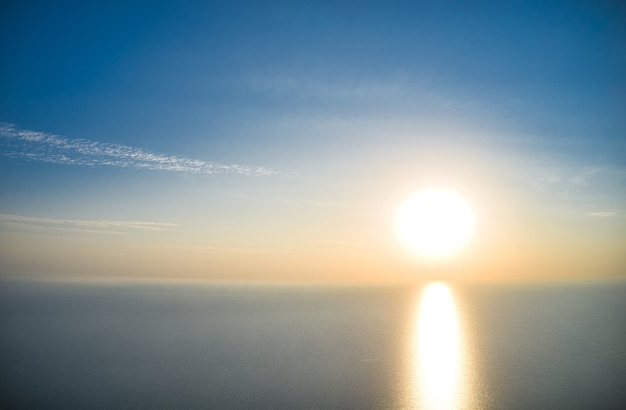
[(437, 351)]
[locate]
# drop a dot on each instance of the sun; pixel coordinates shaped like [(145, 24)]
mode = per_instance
[(435, 222)]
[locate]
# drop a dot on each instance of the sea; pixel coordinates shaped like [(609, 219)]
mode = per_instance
[(203, 345)]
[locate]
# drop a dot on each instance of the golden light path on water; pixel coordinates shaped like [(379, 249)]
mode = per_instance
[(437, 351)]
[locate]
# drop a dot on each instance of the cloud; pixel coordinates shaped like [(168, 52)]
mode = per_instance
[(220, 250), (343, 88), (571, 180), (82, 225), (565, 179), (581, 191), (348, 243), (603, 214), (40, 146)]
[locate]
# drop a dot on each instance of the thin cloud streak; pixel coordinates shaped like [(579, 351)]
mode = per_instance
[(225, 250), (82, 225), (350, 243), (40, 146), (606, 214)]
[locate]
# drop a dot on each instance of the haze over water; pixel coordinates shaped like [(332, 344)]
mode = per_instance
[(193, 346)]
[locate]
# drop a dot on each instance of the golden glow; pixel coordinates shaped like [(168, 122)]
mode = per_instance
[(435, 222), (438, 351)]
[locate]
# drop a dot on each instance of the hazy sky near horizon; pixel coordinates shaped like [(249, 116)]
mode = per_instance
[(276, 140)]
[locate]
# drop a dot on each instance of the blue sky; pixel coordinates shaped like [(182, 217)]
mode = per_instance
[(266, 127)]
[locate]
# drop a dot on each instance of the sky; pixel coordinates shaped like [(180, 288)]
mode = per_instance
[(277, 140)]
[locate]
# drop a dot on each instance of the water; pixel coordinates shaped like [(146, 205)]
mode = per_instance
[(197, 346)]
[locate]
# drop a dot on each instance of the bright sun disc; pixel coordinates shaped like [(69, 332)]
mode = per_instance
[(435, 222)]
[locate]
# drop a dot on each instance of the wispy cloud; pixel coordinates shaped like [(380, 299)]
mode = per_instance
[(222, 250), (605, 214), (82, 225), (40, 146), (344, 88), (566, 179), (350, 243), (588, 191)]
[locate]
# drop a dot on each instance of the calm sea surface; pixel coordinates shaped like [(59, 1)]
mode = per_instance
[(199, 346)]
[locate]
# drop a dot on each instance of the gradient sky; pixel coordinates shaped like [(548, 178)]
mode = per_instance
[(276, 140)]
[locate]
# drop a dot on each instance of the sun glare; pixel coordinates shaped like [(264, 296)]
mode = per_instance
[(438, 354), (435, 222)]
